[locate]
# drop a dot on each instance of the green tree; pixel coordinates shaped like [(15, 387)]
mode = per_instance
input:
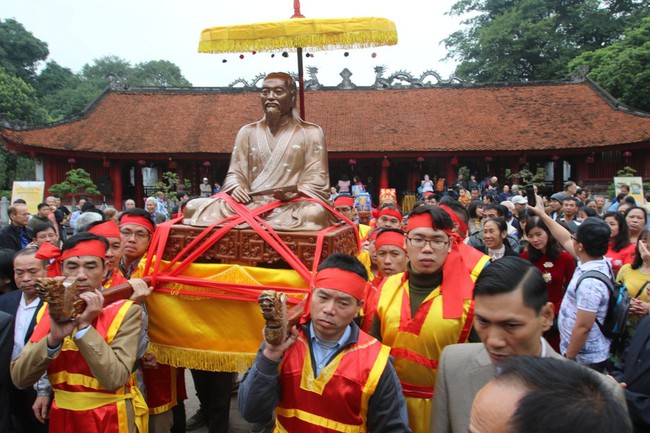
[(55, 77), (77, 182), (526, 176), (101, 68), (20, 52), (622, 68), (157, 73), (170, 185), (522, 40), (18, 100)]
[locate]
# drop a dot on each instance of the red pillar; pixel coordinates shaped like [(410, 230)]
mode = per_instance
[(383, 178), (451, 173), (116, 183), (139, 187), (49, 172)]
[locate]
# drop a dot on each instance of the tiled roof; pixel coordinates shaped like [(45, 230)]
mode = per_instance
[(546, 116)]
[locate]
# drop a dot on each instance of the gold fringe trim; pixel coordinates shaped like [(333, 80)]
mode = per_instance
[(202, 359), (317, 34)]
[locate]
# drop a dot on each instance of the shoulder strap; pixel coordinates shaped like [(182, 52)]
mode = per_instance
[(600, 276), (597, 275)]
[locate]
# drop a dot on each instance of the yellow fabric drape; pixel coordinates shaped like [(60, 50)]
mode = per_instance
[(208, 333), (315, 33)]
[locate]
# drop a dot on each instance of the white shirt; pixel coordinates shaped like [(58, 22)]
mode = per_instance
[(24, 317)]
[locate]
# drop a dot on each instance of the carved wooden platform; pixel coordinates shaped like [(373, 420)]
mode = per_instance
[(246, 247)]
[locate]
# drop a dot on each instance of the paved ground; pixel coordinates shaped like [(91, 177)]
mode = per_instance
[(237, 423)]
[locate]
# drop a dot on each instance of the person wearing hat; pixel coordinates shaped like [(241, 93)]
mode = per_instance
[(328, 375), (555, 205), (206, 189), (580, 336), (426, 308), (89, 359)]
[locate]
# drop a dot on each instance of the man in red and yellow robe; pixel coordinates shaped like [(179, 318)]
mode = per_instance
[(89, 359), (426, 308), (328, 376)]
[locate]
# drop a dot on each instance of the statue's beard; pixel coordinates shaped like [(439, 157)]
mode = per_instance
[(273, 116)]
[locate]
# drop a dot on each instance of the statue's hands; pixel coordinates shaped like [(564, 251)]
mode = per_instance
[(282, 196), (240, 195)]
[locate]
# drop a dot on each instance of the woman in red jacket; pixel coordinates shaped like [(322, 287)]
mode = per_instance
[(556, 266)]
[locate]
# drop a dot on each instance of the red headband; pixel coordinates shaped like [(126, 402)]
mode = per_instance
[(455, 218), (108, 229), (391, 212), (425, 220), (343, 281), (344, 200), (47, 251), (91, 247), (390, 238), (137, 220)]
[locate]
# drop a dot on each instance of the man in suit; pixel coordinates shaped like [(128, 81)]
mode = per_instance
[(23, 305), (511, 314), (633, 371), (17, 234), (6, 343)]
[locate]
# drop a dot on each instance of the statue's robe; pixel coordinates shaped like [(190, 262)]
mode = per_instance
[(296, 156)]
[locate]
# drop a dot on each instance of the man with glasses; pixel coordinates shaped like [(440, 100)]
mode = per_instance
[(136, 230), (426, 308)]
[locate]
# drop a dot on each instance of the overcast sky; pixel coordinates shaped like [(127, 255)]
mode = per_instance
[(78, 31)]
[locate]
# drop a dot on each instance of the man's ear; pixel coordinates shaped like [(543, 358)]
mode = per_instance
[(548, 314)]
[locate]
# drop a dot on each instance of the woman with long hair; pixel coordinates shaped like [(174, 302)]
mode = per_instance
[(495, 231), (636, 218), (621, 250), (636, 276), (557, 267), (475, 209)]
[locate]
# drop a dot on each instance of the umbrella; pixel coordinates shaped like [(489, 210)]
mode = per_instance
[(298, 33)]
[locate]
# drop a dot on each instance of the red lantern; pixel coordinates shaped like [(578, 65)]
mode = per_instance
[(142, 162), (106, 163), (206, 164), (72, 160), (454, 161)]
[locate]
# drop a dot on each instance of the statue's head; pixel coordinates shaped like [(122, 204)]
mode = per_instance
[(278, 93)]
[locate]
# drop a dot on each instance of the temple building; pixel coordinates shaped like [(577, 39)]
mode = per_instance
[(394, 132)]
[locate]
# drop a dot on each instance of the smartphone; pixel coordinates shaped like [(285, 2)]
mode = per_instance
[(530, 195)]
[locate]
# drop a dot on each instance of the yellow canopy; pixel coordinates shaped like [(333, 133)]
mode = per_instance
[(315, 33)]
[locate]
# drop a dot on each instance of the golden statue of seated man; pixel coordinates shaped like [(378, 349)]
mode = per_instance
[(277, 158)]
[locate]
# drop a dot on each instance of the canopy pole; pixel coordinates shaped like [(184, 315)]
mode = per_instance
[(301, 88), (296, 9)]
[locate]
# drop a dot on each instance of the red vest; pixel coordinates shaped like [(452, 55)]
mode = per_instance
[(81, 403), (336, 400)]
